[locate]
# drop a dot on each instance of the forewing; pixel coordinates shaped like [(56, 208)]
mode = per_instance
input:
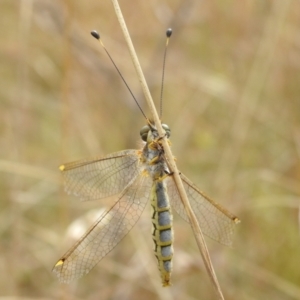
[(214, 220), (106, 233), (101, 177)]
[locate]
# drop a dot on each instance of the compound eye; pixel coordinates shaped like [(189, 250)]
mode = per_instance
[(144, 132), (167, 129)]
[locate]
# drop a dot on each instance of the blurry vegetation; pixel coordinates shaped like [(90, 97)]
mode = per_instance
[(232, 100)]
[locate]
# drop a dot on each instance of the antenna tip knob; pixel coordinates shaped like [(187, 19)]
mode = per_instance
[(95, 34), (169, 32)]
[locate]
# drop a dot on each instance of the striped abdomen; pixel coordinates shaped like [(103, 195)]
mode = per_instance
[(162, 230)]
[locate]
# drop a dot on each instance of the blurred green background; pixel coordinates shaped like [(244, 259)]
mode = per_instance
[(232, 100)]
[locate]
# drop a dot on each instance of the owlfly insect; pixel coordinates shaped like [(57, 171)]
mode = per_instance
[(134, 177)]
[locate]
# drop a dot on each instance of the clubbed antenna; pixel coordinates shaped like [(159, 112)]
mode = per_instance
[(168, 34), (96, 35)]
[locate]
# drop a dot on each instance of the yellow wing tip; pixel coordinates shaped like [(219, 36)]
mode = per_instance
[(62, 167), (59, 263), (236, 220)]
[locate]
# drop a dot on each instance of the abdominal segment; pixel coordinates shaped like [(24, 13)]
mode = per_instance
[(162, 230)]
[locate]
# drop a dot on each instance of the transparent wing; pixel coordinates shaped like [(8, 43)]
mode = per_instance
[(101, 177), (106, 233), (214, 220)]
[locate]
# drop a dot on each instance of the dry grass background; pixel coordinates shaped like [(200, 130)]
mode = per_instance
[(232, 100)]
